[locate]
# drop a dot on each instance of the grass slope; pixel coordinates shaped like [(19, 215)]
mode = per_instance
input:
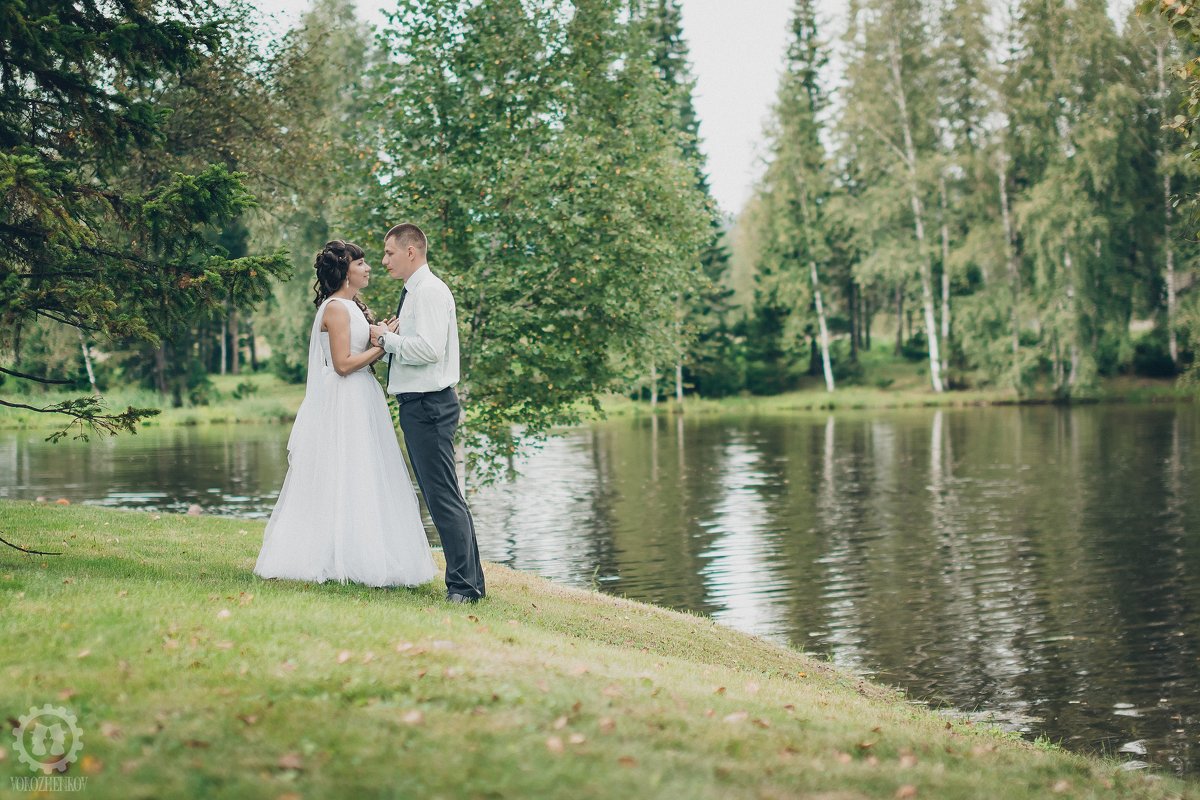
[(192, 678)]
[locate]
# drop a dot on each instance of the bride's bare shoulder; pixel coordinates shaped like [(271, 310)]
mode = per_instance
[(335, 314)]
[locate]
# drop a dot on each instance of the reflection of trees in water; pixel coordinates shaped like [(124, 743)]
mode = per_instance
[(1033, 561), (225, 469)]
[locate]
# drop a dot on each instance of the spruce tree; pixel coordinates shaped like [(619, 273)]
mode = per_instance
[(77, 245)]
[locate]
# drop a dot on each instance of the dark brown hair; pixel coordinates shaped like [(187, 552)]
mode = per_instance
[(332, 266)]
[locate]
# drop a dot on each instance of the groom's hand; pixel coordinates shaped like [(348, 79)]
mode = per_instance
[(393, 324)]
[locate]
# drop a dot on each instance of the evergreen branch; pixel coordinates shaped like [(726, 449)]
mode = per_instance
[(26, 550), (37, 378), (85, 411)]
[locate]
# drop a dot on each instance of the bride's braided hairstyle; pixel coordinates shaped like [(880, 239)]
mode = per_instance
[(332, 266)]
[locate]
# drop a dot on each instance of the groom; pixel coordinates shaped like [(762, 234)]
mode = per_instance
[(422, 355)]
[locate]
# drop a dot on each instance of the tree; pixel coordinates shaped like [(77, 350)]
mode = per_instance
[(891, 52), (76, 244), (566, 261), (705, 337), (795, 187)]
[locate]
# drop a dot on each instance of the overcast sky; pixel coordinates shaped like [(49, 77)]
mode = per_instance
[(737, 49)]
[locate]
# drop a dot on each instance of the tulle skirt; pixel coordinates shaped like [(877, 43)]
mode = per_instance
[(347, 510)]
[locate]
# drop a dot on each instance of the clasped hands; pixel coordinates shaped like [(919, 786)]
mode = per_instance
[(390, 325)]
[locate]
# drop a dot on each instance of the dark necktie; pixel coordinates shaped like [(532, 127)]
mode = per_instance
[(400, 305)]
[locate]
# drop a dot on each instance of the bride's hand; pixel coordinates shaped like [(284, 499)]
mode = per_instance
[(378, 330)]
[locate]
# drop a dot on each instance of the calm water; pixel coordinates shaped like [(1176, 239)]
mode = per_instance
[(1036, 566)]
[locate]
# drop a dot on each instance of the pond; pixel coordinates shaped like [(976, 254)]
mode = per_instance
[(1038, 566)]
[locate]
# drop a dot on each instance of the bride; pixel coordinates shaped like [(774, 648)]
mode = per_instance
[(347, 510)]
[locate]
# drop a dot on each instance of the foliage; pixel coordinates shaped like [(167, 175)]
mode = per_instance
[(80, 243), (561, 213)]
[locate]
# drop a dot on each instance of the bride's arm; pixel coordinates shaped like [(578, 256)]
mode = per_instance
[(337, 322)]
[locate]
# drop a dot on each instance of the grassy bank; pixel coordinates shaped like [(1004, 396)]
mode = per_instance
[(190, 677)]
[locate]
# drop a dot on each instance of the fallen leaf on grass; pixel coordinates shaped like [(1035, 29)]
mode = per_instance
[(752, 688), (368, 657), (290, 761), (612, 691), (404, 646), (762, 723), (343, 656), (554, 744), (248, 719), (627, 761), (224, 613), (907, 790), (414, 717), (579, 669), (288, 666), (66, 694), (865, 745), (3, 755), (719, 690), (907, 761), (226, 645), (91, 765), (843, 758), (560, 723), (196, 744), (110, 730), (83, 653), (576, 738), (607, 725), (1062, 786), (736, 716)]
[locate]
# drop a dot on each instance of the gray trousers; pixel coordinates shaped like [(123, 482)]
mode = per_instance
[(429, 421)]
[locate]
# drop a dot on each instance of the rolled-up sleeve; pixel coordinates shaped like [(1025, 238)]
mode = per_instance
[(426, 343)]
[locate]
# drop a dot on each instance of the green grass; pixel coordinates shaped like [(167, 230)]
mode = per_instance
[(271, 400), (192, 678)]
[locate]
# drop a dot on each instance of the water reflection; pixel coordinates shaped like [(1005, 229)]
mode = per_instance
[(1036, 566)]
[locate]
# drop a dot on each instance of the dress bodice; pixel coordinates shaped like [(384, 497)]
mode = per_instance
[(360, 330)]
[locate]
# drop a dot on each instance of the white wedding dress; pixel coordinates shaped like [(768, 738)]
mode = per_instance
[(347, 510)]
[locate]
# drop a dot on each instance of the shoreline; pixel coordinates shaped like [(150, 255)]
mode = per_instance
[(193, 677), (272, 401)]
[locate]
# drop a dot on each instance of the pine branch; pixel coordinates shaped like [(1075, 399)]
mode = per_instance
[(26, 550), (37, 378), (85, 412)]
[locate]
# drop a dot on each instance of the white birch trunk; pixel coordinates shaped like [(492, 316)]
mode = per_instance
[(87, 361), (816, 284), (653, 387), (945, 275), (1014, 274), (1168, 248), (910, 151), (812, 267)]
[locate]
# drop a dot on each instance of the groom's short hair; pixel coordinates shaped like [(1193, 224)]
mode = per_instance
[(406, 233)]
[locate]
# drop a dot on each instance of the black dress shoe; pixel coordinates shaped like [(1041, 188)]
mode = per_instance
[(454, 597)]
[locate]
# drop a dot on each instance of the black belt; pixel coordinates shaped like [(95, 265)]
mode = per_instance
[(408, 397)]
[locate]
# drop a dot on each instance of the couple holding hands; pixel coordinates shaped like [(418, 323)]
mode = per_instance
[(347, 510)]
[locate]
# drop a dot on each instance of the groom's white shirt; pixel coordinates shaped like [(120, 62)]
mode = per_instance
[(425, 346)]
